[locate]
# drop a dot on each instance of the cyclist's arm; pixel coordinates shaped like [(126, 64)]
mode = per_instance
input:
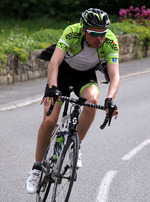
[(56, 60), (53, 66), (113, 71)]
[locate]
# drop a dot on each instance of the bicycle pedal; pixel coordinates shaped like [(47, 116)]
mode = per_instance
[(52, 180), (59, 177)]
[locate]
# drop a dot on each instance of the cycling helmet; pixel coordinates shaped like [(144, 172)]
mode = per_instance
[(94, 17)]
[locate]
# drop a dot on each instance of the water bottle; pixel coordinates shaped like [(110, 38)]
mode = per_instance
[(58, 145)]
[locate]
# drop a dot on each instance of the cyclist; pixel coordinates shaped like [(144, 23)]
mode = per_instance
[(73, 63)]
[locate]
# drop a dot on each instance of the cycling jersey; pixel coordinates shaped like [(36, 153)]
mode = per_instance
[(72, 42), (84, 60)]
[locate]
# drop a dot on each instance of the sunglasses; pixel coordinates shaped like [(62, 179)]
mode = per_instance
[(96, 34)]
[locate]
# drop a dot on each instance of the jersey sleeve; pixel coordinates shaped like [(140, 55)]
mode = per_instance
[(65, 41), (113, 53), (110, 48)]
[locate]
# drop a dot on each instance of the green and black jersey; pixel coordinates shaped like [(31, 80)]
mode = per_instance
[(81, 57)]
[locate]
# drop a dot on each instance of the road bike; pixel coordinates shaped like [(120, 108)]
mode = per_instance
[(59, 168)]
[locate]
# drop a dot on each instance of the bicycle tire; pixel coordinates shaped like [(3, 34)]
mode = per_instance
[(40, 198), (62, 177), (45, 183)]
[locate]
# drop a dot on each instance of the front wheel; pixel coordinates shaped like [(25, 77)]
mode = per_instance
[(46, 181), (66, 174)]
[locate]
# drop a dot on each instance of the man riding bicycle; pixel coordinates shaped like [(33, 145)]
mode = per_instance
[(73, 63)]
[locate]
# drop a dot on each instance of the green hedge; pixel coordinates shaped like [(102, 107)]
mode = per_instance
[(62, 9), (142, 32), (20, 42)]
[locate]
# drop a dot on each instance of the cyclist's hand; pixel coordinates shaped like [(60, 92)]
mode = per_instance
[(111, 108), (52, 93)]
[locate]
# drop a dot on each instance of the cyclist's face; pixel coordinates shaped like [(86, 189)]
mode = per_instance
[(94, 42)]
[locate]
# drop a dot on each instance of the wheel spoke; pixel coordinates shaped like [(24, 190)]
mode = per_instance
[(66, 172)]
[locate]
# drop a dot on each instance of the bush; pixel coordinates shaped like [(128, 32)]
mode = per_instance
[(134, 20), (3, 57), (140, 16), (127, 28), (66, 9), (47, 35), (30, 35), (18, 43)]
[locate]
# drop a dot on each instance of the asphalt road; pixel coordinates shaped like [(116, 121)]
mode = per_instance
[(22, 94), (115, 161)]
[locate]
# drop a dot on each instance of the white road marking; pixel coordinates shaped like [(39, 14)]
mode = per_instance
[(105, 185), (21, 103), (108, 178), (136, 150)]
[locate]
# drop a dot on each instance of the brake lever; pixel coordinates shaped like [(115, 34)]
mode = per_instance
[(48, 113), (107, 119), (105, 122), (110, 117)]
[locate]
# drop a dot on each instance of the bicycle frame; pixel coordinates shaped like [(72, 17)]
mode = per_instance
[(68, 123), (67, 132)]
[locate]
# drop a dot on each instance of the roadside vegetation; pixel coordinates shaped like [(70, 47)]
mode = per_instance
[(21, 36)]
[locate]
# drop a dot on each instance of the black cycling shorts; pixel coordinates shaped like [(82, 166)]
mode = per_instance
[(68, 76)]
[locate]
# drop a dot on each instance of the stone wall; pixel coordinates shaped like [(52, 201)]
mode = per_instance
[(130, 49), (16, 71)]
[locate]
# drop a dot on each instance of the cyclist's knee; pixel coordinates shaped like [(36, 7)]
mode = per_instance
[(93, 100), (91, 93)]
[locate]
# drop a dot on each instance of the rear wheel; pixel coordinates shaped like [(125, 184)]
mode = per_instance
[(66, 174)]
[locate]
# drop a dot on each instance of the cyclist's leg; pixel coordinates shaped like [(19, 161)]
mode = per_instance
[(45, 131), (91, 92), (49, 122), (86, 86), (43, 139)]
